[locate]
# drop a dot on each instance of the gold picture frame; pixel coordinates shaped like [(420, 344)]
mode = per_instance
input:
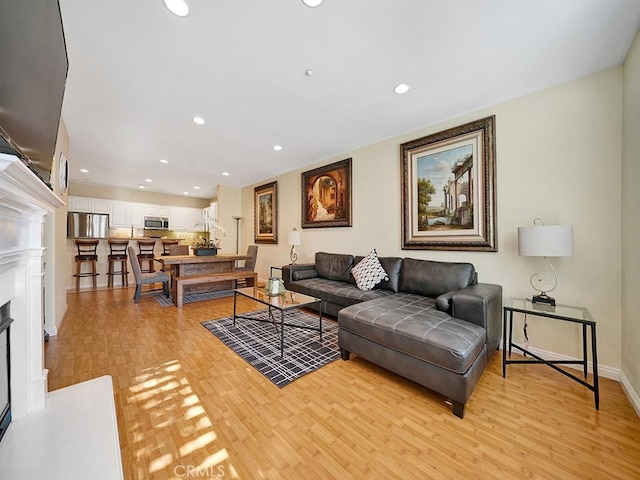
[(448, 189), (326, 196), (265, 210)]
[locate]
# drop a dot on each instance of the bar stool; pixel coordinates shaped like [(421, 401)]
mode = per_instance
[(166, 250), (87, 252), (118, 257), (146, 248)]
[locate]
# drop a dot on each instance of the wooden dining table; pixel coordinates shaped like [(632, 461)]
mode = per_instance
[(197, 265)]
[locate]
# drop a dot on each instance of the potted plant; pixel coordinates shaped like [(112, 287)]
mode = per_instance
[(209, 243)]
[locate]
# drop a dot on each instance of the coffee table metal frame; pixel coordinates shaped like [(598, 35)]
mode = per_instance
[(283, 303)]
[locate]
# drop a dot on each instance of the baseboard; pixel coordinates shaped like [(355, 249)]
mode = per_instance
[(603, 370), (630, 393), (51, 330)]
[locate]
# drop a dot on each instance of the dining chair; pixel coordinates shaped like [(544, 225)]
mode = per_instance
[(146, 278)]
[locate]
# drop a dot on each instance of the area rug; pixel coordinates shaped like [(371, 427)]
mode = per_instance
[(259, 344), (195, 297)]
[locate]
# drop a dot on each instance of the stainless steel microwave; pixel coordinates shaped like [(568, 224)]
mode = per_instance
[(156, 223)]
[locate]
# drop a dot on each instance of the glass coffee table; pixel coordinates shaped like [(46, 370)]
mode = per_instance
[(282, 303)]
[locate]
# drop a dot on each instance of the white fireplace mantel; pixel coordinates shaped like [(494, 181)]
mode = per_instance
[(24, 201), (49, 437)]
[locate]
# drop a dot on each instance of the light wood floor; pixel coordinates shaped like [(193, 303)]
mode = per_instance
[(185, 401)]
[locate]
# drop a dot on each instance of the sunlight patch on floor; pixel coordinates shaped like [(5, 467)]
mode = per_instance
[(161, 399)]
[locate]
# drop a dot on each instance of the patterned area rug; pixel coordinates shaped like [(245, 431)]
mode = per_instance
[(195, 297), (259, 344)]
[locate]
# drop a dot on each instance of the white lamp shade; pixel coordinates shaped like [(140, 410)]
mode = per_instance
[(294, 238), (546, 241)]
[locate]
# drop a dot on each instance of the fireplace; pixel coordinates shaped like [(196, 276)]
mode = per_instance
[(24, 202), (5, 370)]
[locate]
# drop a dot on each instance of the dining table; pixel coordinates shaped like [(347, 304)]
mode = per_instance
[(198, 265)]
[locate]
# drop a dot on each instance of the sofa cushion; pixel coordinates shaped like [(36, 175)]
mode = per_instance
[(369, 272), (392, 266), (304, 274), (430, 279), (338, 293), (334, 266), (412, 324)]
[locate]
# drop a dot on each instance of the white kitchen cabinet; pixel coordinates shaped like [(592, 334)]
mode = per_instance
[(156, 211), (194, 216), (135, 215), (177, 218), (88, 205), (119, 215), (125, 215), (100, 205)]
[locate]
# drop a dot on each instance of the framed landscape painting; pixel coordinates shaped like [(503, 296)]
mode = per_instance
[(448, 189), (326, 196), (265, 210)]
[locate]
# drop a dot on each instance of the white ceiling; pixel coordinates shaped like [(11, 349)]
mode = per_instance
[(138, 75)]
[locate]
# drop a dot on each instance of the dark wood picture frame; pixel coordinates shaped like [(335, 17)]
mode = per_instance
[(448, 189), (265, 212), (326, 196)]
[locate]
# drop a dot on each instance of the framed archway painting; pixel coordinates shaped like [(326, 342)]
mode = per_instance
[(448, 189), (326, 196)]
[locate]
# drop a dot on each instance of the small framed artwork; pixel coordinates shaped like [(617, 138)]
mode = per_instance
[(448, 189), (64, 174), (326, 196), (266, 213)]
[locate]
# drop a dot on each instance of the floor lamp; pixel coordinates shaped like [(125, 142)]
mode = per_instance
[(237, 219)]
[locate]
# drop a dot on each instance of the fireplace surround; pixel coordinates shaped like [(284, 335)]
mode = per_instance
[(24, 202)]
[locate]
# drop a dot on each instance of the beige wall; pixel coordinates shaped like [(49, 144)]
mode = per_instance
[(55, 241), (558, 158), (631, 220), (228, 207), (130, 195)]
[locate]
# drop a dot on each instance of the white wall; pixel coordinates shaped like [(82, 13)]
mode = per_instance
[(631, 218), (558, 157)]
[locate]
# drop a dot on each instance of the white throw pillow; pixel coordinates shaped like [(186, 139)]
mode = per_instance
[(369, 272)]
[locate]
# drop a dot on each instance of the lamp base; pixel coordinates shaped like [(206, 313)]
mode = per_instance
[(544, 298)]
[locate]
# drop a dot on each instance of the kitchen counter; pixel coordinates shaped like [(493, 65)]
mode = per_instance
[(103, 262)]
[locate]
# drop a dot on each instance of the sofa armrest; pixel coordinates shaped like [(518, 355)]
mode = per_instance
[(481, 304), (288, 270)]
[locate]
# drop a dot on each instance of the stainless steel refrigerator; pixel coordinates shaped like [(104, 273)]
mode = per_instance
[(87, 225)]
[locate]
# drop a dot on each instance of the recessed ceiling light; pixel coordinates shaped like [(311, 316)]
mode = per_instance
[(309, 73), (177, 7), (140, 186), (226, 174), (312, 3), (84, 170), (402, 88), (186, 193), (198, 120), (162, 160), (196, 187), (277, 148), (148, 180)]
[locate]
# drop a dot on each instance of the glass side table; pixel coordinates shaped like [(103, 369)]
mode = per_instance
[(565, 313)]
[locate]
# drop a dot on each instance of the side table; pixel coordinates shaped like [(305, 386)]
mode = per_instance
[(565, 313)]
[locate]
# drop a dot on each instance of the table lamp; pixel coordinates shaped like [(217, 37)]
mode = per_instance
[(542, 240), (294, 238)]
